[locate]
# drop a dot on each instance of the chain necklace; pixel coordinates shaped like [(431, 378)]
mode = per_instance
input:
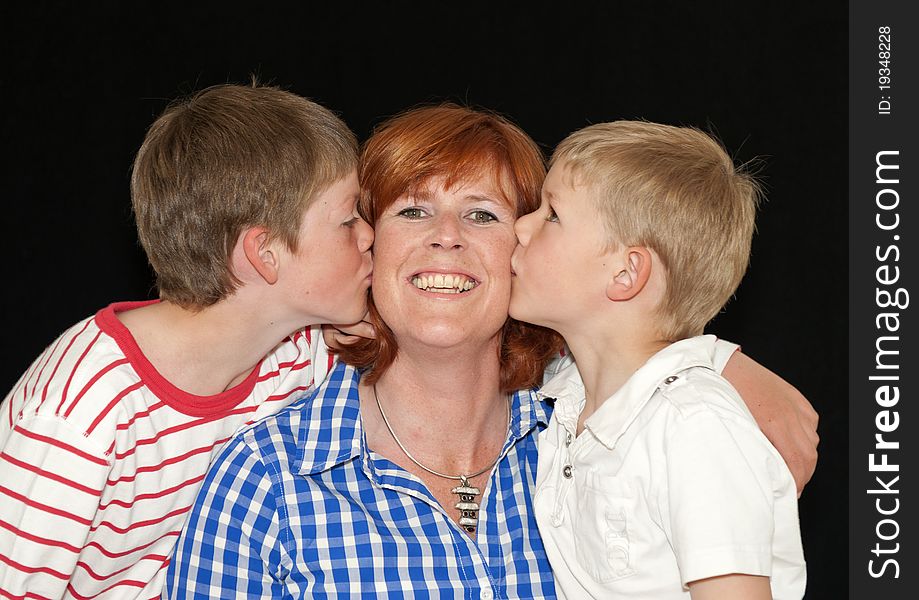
[(468, 507)]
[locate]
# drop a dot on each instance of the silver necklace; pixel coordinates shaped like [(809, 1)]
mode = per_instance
[(468, 507)]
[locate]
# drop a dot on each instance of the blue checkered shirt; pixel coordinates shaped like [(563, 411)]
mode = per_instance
[(297, 506)]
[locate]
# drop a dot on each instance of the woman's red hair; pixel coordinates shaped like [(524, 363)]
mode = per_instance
[(454, 143)]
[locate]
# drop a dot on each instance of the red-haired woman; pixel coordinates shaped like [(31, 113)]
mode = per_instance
[(411, 472)]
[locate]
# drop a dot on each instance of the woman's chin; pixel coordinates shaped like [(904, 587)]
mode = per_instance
[(448, 333)]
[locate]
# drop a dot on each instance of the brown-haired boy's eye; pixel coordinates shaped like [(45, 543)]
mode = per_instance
[(552, 216)]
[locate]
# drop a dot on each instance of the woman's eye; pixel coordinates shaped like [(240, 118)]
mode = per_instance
[(412, 212), (483, 216), (552, 216), (350, 222)]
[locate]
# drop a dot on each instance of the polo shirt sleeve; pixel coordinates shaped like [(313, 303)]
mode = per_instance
[(229, 547), (722, 481), (723, 352)]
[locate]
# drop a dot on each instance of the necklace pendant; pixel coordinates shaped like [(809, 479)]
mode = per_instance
[(468, 507)]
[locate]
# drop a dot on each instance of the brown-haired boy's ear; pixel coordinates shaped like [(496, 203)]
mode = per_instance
[(633, 275), (261, 253)]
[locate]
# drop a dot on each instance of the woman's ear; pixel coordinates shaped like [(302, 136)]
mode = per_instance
[(632, 276), (261, 253)]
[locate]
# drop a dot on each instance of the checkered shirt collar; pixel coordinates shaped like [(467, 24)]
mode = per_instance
[(338, 404)]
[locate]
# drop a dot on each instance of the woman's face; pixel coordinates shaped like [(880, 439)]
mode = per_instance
[(442, 263)]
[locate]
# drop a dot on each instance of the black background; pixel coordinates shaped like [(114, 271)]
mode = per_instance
[(80, 85)]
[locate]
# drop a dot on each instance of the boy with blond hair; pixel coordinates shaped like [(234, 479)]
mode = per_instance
[(653, 479), (245, 205)]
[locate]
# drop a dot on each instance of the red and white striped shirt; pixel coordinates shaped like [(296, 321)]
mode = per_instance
[(101, 458)]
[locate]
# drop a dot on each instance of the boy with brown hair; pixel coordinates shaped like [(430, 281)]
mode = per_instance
[(653, 479), (245, 200)]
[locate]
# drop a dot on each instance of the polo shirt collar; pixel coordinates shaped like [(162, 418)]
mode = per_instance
[(618, 412), (330, 431)]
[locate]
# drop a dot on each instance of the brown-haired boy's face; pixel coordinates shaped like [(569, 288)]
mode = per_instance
[(331, 269), (561, 269)]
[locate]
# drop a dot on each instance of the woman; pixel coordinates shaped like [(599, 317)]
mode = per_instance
[(414, 474)]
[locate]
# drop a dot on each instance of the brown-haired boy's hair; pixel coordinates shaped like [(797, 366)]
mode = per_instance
[(457, 144), (228, 158), (676, 191)]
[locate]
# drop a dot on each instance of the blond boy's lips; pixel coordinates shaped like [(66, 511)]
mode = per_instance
[(513, 256)]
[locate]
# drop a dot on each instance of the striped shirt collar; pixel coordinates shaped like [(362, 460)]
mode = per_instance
[(339, 403)]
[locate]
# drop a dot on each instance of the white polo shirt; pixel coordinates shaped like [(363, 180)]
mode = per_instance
[(671, 481)]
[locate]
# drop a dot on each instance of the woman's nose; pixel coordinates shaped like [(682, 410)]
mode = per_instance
[(446, 232)]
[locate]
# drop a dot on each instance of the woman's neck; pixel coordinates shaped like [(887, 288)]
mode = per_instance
[(448, 411), (445, 408)]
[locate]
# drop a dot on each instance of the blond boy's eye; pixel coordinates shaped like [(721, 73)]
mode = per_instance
[(552, 216)]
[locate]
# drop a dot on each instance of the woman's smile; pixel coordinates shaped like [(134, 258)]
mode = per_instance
[(444, 282)]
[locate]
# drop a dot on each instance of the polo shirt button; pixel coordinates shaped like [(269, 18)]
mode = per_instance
[(671, 379), (568, 439), (566, 471), (487, 594)]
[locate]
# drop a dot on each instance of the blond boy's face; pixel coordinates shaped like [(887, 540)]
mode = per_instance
[(326, 279), (561, 268)]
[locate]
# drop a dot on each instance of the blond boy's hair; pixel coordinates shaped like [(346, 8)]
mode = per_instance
[(228, 158), (676, 191)]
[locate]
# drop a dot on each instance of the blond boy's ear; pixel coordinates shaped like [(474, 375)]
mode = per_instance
[(260, 253), (631, 275)]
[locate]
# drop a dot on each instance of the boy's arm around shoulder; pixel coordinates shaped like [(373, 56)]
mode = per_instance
[(219, 551), (51, 481), (785, 416), (736, 586)]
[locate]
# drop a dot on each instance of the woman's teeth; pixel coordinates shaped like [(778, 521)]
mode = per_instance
[(443, 284)]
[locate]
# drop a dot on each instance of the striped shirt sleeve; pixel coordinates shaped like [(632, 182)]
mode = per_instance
[(42, 461)]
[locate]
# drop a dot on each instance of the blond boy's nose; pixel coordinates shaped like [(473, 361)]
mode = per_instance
[(522, 228)]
